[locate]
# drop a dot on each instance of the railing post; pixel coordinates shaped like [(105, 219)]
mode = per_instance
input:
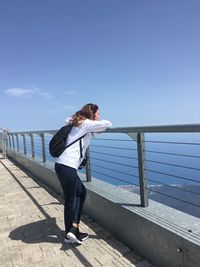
[(142, 172), (13, 141), (88, 166), (17, 139), (43, 147), (24, 142), (32, 146), (10, 141), (4, 143)]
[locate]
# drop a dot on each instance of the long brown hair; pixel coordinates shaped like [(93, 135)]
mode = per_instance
[(87, 112)]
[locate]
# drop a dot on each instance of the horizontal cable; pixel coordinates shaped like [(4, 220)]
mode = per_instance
[(112, 155), (37, 148), (122, 148), (171, 142), (174, 165), (132, 175), (115, 178), (171, 186), (174, 154), (37, 145), (121, 164), (184, 201), (172, 175), (111, 139)]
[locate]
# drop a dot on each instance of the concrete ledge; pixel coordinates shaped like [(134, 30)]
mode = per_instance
[(159, 233)]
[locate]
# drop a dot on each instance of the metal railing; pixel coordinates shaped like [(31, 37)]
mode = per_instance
[(4, 140), (135, 155)]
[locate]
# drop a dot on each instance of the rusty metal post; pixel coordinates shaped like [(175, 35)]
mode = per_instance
[(43, 147), (24, 142), (17, 139), (32, 146), (142, 172), (88, 166)]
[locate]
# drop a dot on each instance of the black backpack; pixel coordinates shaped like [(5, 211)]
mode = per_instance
[(57, 145)]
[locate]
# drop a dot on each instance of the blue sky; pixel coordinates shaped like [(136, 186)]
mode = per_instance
[(138, 60)]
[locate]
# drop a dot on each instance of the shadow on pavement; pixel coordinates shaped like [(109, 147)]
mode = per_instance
[(37, 232)]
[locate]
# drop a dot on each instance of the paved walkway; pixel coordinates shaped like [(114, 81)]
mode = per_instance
[(31, 232)]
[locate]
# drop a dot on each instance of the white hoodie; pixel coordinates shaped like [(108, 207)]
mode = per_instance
[(71, 156)]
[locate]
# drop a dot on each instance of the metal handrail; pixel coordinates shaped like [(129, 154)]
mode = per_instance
[(136, 133), (182, 128)]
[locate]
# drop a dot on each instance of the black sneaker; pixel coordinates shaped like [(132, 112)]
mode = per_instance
[(83, 236), (73, 236)]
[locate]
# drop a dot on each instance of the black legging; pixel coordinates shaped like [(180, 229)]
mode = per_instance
[(74, 194)]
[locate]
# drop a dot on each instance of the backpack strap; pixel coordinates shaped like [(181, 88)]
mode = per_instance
[(75, 141), (81, 149), (80, 145)]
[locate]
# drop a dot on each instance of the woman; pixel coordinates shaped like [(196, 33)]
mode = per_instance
[(85, 122)]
